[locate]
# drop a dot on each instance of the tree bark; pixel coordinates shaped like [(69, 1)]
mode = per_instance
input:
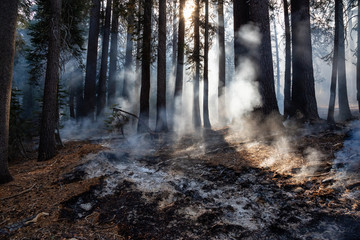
[(344, 109), (196, 105), (101, 98), (358, 58), (145, 68), (128, 55), (175, 37), (259, 14), (278, 92), (180, 54), (222, 63), (47, 145), (241, 17), (113, 53), (91, 61), (330, 117), (287, 80), (7, 45), (206, 118), (161, 119), (303, 88)]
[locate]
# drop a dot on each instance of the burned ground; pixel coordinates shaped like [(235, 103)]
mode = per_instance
[(209, 186)]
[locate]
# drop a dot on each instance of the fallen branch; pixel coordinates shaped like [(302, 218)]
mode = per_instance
[(18, 194), (141, 121)]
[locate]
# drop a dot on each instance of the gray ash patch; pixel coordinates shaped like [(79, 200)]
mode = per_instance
[(158, 197)]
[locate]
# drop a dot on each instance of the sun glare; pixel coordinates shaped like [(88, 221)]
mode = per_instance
[(188, 10)]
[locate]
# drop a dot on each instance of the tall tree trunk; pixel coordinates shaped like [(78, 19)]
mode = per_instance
[(140, 13), (175, 36), (180, 54), (303, 88), (129, 52), (113, 53), (241, 17), (278, 92), (47, 145), (259, 14), (161, 119), (358, 58), (330, 117), (287, 80), (344, 109), (145, 67), (91, 61), (206, 118), (101, 98), (222, 62), (196, 105), (7, 45)]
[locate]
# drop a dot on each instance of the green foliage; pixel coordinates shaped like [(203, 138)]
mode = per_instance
[(72, 32)]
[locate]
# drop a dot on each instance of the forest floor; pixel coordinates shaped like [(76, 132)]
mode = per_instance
[(214, 185)]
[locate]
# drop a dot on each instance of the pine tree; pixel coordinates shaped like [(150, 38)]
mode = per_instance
[(161, 119), (358, 58), (91, 61), (145, 68), (206, 117), (180, 55), (330, 117), (344, 108), (287, 80), (7, 45), (129, 50), (303, 88), (196, 58), (222, 61), (101, 97), (47, 145), (113, 53)]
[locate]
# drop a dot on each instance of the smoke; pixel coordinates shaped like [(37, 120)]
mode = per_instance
[(347, 162)]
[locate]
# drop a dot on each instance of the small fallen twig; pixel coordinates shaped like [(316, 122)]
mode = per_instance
[(35, 219), (18, 194)]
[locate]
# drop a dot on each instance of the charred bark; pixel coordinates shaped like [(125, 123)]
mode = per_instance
[(161, 119), (91, 61), (175, 37), (358, 57), (145, 67), (101, 97), (303, 89), (47, 145), (241, 17), (113, 53), (330, 117), (128, 55), (206, 118), (7, 45), (287, 80), (344, 108), (196, 82), (259, 14), (222, 62), (180, 53)]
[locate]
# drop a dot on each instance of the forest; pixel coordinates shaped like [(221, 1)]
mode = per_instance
[(180, 119)]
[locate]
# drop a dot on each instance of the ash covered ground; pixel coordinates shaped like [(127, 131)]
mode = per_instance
[(278, 183), (302, 185)]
